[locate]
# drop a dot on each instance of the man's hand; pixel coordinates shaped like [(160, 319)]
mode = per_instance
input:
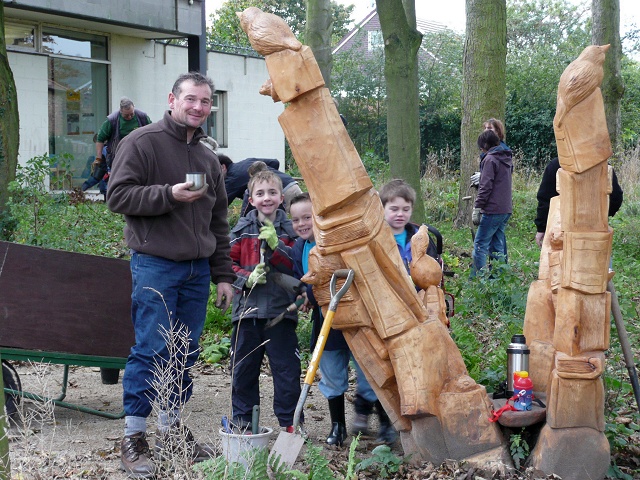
[(96, 164), (475, 179), (224, 293), (257, 277), (268, 233), (476, 216), (181, 192), (539, 238)]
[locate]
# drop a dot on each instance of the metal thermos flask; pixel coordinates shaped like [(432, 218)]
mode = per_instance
[(517, 359)]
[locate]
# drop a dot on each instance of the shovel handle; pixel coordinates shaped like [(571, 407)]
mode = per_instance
[(328, 321)]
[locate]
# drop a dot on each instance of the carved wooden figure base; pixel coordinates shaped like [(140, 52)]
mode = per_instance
[(567, 320)]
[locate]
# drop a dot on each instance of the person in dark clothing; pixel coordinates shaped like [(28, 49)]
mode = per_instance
[(547, 191), (117, 125), (493, 206), (236, 178)]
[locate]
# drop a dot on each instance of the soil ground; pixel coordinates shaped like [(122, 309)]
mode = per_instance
[(72, 444)]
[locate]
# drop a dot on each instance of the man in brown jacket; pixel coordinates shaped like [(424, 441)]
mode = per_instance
[(179, 240)]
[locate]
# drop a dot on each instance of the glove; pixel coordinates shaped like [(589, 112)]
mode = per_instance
[(257, 277), (96, 164), (475, 179), (476, 216), (268, 233)]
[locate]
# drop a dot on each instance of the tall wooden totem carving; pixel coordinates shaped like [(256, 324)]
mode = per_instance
[(397, 335), (567, 319)]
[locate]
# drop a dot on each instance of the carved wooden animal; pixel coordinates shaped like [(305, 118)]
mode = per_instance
[(267, 32), (580, 79), (425, 270), (399, 339)]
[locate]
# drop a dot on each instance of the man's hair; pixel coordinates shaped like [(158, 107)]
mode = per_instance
[(264, 176), (498, 127), (196, 77), (397, 188), (224, 160), (125, 103), (487, 140), (301, 197), (257, 166)]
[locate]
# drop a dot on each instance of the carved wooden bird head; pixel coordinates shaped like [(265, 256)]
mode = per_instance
[(267, 32)]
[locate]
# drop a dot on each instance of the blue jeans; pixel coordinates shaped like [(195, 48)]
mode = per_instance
[(490, 240), (334, 366), (166, 295)]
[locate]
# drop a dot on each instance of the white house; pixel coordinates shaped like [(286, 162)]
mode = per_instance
[(73, 60)]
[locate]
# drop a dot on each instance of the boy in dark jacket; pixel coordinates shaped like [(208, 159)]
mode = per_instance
[(493, 206), (261, 242)]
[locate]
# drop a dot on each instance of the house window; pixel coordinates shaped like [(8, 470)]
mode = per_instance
[(20, 36), (78, 86), (217, 121), (375, 40)]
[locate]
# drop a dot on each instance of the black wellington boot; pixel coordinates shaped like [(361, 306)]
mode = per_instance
[(387, 435), (338, 421)]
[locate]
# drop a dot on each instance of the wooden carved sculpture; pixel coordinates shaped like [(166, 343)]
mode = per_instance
[(567, 318), (397, 336)]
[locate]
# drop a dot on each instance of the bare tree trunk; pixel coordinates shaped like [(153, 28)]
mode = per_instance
[(318, 35), (401, 43), (483, 87), (606, 30), (9, 126)]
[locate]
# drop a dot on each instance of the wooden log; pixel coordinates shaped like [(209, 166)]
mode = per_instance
[(426, 439), (575, 402), (587, 366), (582, 322), (553, 232), (583, 140), (324, 152), (584, 200), (308, 76), (539, 317), (379, 369), (350, 226), (571, 453), (541, 364), (464, 416), (586, 261), (391, 316), (421, 357)]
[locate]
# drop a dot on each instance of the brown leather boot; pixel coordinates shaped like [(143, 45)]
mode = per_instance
[(135, 456)]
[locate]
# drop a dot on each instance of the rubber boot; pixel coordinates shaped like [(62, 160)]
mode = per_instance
[(338, 421), (386, 433), (363, 408)]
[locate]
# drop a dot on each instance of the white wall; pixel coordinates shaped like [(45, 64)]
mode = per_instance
[(30, 75), (145, 71)]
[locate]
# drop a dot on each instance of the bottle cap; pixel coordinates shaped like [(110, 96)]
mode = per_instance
[(523, 374)]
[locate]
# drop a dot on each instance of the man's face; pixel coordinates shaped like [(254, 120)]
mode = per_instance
[(193, 105), (127, 113)]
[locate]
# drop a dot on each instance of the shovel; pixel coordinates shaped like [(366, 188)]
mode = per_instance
[(288, 445)]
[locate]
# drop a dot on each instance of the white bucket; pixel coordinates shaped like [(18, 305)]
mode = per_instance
[(241, 448)]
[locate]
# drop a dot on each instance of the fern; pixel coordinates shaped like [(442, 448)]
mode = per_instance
[(351, 466), (318, 464)]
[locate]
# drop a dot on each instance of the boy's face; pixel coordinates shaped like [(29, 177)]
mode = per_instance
[(266, 197), (397, 213), (302, 219)]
